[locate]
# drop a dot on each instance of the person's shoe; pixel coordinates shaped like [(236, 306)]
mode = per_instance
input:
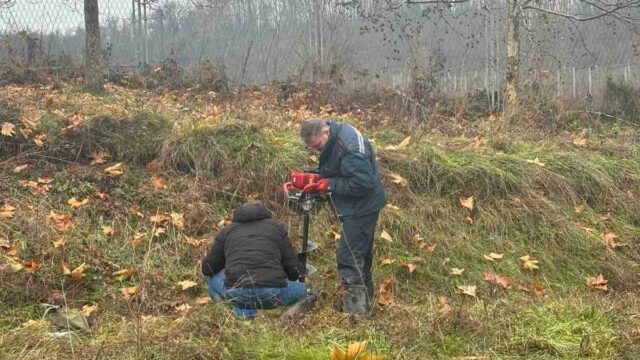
[(354, 300), (301, 306), (217, 299), (245, 314)]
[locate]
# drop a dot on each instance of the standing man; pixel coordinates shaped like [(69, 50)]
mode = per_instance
[(347, 169)]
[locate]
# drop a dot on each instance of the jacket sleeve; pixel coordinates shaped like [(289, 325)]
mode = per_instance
[(358, 176), (215, 261), (289, 257)]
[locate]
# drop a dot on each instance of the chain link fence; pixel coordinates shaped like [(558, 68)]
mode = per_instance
[(257, 41)]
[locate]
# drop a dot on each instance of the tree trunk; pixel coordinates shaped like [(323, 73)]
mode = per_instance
[(513, 54), (92, 56)]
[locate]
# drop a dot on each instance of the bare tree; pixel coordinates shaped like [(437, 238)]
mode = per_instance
[(621, 11), (93, 55), (624, 12)]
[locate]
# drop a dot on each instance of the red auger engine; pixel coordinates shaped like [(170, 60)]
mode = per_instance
[(299, 180)]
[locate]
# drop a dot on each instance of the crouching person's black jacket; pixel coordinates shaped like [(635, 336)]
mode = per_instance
[(253, 250)]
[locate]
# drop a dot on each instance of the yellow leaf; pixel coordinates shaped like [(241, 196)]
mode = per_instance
[(493, 256), (99, 157), (203, 300), (153, 166), (101, 195), (7, 129), (385, 236), (65, 268), (159, 183), (356, 349), (397, 179), (58, 242), (160, 219), (14, 264), (138, 238), (31, 118), (129, 291), (431, 247), (496, 279), (61, 221), (580, 142), (387, 262), (135, 210), (385, 294), (87, 310), (124, 274), (410, 267), (19, 168), (467, 289), (108, 230), (467, 203), (158, 231), (393, 207), (456, 271), (186, 284), (115, 170), (7, 212), (183, 308), (529, 263), (597, 283), (25, 132), (337, 354), (610, 239), (476, 143), (77, 274), (40, 139), (74, 203), (536, 161), (193, 241), (12, 250), (580, 208), (177, 220), (400, 146), (31, 266)]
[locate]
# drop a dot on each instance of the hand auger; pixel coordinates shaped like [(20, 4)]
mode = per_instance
[(306, 201)]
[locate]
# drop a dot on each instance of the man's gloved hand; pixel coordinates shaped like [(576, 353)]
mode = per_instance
[(322, 186)]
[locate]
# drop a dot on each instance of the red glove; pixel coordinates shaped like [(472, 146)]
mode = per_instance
[(322, 186)]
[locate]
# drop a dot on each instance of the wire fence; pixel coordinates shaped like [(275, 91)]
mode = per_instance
[(263, 40)]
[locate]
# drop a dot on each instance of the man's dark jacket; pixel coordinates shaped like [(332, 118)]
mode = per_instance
[(253, 250), (348, 160)]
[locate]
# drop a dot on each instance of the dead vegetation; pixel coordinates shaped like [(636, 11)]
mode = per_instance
[(492, 245)]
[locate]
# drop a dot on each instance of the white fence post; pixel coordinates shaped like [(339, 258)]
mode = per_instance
[(589, 80)]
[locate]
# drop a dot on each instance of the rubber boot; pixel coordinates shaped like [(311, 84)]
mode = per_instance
[(371, 297), (354, 300)]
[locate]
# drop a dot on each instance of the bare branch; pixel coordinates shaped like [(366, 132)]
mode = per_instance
[(7, 3), (395, 5), (611, 10)]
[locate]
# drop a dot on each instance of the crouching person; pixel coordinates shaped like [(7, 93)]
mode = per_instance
[(252, 263)]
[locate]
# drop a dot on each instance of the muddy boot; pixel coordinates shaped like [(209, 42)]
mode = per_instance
[(371, 298), (354, 300)]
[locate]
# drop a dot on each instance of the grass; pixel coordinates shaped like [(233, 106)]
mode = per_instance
[(210, 166)]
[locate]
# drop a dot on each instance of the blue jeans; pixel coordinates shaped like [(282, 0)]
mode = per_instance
[(256, 297)]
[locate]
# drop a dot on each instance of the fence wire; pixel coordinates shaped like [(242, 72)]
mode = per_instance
[(262, 40)]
